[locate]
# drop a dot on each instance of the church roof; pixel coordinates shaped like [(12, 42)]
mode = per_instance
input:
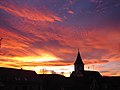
[(78, 59), (87, 74)]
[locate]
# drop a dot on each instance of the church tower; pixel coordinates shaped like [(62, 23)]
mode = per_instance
[(79, 69), (78, 65)]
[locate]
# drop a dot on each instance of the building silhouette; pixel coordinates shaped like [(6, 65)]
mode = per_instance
[(80, 79), (18, 79), (79, 69), (78, 66)]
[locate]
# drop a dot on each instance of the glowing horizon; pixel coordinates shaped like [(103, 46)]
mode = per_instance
[(46, 34)]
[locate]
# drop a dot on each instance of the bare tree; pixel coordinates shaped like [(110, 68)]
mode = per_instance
[(53, 72)]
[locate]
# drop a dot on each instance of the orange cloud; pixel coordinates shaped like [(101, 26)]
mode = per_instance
[(28, 34), (30, 13), (95, 61)]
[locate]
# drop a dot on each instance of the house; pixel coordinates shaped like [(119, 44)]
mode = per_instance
[(112, 82), (53, 81), (18, 79)]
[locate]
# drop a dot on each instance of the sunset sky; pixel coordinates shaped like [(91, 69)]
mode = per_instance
[(46, 34)]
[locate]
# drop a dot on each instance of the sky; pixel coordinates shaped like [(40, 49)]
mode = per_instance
[(44, 35)]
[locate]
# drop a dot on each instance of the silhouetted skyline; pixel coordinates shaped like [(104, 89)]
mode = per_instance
[(45, 34)]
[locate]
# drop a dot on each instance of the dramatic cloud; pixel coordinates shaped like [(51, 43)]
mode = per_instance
[(43, 34), (28, 12)]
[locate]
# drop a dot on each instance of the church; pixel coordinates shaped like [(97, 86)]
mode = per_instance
[(79, 69)]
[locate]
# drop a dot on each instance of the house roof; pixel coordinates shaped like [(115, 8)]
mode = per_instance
[(10, 74), (53, 79)]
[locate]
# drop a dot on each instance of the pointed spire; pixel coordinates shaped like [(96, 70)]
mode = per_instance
[(78, 59)]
